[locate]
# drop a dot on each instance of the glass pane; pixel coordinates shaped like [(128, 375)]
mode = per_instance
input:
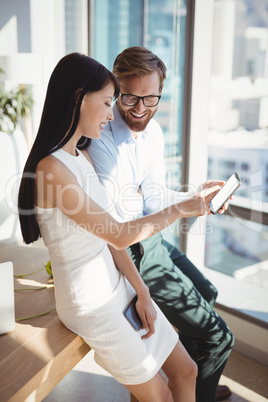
[(160, 26), (76, 31), (238, 135), (165, 36), (238, 119), (237, 248), (118, 24)]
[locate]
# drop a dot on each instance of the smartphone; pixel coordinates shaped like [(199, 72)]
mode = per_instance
[(225, 193), (132, 316)]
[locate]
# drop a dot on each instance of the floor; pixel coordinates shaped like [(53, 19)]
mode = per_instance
[(247, 379)]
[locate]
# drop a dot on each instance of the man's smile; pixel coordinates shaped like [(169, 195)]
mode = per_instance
[(137, 115)]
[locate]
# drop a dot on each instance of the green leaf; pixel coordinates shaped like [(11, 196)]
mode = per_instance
[(14, 105)]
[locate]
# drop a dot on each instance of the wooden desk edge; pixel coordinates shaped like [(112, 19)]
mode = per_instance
[(43, 382), (64, 356)]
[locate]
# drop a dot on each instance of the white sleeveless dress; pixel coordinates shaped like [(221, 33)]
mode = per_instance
[(91, 293)]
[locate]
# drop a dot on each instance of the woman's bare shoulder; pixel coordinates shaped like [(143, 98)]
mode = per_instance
[(58, 170), (49, 162)]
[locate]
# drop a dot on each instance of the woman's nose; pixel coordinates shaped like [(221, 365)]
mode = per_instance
[(110, 115)]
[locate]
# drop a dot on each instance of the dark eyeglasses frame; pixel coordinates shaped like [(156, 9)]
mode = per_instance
[(142, 98)]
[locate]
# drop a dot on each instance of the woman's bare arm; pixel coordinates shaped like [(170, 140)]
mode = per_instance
[(56, 186), (144, 305)]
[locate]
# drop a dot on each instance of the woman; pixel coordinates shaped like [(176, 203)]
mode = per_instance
[(61, 199)]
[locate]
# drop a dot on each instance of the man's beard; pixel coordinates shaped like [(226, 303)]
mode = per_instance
[(134, 124)]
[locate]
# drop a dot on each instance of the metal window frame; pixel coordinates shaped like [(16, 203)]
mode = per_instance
[(187, 100)]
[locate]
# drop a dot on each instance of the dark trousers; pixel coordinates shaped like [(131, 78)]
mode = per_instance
[(186, 298)]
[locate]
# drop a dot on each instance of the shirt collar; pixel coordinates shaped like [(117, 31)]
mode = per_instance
[(119, 128)]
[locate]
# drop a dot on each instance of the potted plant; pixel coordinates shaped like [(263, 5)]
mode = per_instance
[(14, 105)]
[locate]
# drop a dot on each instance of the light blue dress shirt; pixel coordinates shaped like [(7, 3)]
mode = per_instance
[(133, 170)]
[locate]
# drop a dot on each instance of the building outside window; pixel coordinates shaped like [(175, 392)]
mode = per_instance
[(238, 137)]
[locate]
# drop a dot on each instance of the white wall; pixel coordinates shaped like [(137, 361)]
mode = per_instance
[(32, 40)]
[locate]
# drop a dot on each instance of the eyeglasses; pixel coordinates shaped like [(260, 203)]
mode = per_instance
[(133, 100)]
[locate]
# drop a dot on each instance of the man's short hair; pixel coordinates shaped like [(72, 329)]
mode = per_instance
[(138, 60)]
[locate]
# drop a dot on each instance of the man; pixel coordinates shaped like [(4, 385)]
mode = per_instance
[(129, 161)]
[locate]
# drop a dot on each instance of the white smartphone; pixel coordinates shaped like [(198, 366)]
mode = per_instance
[(225, 193)]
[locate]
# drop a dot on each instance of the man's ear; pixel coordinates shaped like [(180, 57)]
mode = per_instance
[(161, 87)]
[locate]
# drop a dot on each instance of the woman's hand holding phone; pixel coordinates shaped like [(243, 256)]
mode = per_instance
[(147, 313), (141, 314), (212, 183), (212, 197), (198, 205)]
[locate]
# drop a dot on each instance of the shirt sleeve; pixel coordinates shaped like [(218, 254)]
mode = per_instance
[(156, 194), (104, 162)]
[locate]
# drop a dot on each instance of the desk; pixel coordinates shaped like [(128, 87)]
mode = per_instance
[(36, 356)]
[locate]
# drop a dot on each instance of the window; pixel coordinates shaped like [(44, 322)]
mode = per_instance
[(238, 137), (34, 35), (76, 26), (160, 26)]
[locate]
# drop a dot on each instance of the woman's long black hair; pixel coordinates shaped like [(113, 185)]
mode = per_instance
[(72, 78)]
